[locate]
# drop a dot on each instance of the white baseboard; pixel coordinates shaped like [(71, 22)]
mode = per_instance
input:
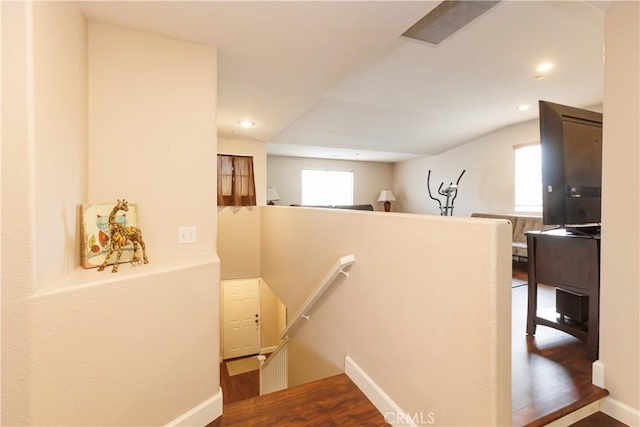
[(266, 350), (597, 374), (610, 406), (383, 403), (202, 414), (620, 411)]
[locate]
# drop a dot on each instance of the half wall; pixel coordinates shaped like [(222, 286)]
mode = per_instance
[(426, 311)]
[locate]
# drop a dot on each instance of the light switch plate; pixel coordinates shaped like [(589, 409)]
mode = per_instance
[(187, 234)]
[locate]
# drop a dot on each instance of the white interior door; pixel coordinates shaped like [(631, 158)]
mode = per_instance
[(241, 317)]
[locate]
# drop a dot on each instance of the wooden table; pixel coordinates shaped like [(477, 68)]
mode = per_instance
[(572, 263)]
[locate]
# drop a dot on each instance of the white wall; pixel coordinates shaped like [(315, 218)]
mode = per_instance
[(239, 252), (435, 337), (486, 186), (140, 350), (60, 135), (153, 134), (239, 242), (620, 277), (238, 239), (285, 174), (270, 311), (18, 225), (81, 347)]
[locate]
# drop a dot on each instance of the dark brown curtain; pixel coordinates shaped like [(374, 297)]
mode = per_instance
[(225, 179), (236, 184), (244, 187)]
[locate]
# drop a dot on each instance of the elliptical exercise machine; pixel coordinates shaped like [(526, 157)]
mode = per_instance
[(450, 193)]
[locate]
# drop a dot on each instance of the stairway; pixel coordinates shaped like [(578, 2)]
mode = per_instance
[(334, 401)]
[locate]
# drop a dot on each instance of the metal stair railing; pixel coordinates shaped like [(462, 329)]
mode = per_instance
[(274, 370), (337, 269)]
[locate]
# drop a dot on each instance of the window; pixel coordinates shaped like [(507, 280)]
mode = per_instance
[(528, 186), (321, 187), (236, 185)]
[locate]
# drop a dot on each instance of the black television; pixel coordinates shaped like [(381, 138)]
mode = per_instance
[(571, 145)]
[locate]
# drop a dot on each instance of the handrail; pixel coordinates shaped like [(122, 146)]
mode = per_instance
[(274, 353), (338, 268)]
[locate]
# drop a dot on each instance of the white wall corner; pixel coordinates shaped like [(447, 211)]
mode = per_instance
[(610, 406), (597, 376), (202, 414), (620, 411), (383, 403)]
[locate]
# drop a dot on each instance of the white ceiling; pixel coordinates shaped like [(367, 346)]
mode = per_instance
[(334, 79)]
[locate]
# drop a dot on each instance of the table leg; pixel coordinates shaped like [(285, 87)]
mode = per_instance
[(532, 286)]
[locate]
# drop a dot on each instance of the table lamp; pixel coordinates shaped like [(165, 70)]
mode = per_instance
[(272, 196), (386, 196)]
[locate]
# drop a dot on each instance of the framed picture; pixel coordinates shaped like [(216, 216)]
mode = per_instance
[(96, 235)]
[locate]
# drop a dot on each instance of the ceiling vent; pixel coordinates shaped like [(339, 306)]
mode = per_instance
[(447, 18)]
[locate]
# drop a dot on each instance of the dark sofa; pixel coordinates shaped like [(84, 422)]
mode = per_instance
[(353, 207)]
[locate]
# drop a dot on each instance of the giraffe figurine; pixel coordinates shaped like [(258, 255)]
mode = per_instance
[(121, 236)]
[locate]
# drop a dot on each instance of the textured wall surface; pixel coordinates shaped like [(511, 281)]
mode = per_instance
[(620, 276), (81, 347), (431, 330)]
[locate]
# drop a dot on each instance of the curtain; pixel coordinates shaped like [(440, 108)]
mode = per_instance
[(236, 183), (225, 179), (244, 187)]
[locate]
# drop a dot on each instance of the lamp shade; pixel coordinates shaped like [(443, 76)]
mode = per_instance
[(386, 196), (272, 194)]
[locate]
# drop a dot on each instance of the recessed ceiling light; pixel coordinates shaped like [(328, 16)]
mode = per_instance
[(538, 77), (524, 107), (246, 123), (544, 67)]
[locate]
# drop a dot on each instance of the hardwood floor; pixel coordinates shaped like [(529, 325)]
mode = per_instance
[(551, 373), (599, 419), (551, 377), (334, 401), (238, 387), (519, 270)]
